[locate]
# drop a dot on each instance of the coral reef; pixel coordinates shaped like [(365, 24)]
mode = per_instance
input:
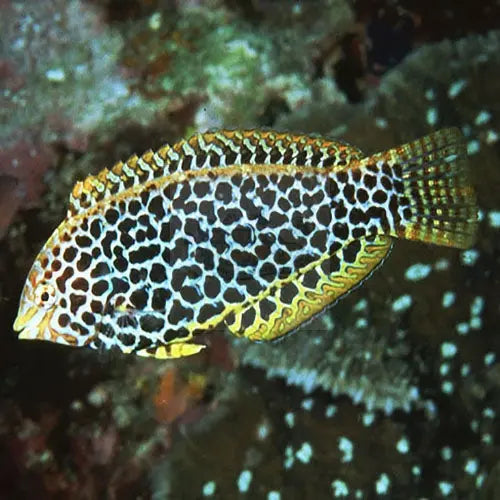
[(61, 71), (61, 84), (237, 70), (360, 350)]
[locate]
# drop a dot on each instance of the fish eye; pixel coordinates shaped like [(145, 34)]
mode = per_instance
[(45, 295)]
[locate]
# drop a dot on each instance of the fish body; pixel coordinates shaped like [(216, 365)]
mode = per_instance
[(255, 230)]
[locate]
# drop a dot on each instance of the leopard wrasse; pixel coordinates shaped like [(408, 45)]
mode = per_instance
[(256, 231)]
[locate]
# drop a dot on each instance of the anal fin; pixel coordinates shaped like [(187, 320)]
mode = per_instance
[(289, 305), (171, 351)]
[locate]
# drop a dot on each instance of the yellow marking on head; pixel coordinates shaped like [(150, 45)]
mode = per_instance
[(35, 322), (26, 334), (45, 325), (70, 339), (33, 275), (23, 319)]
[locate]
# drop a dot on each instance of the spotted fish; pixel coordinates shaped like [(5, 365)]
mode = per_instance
[(255, 230)]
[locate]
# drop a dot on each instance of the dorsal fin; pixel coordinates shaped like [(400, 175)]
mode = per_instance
[(118, 178), (221, 148), (266, 147)]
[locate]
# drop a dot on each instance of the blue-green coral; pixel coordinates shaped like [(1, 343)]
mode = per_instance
[(65, 73), (238, 68)]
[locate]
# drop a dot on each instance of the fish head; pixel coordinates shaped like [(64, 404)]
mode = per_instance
[(44, 311)]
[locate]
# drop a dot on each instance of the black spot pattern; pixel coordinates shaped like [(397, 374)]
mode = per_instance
[(139, 299), (242, 235), (111, 215), (208, 311), (83, 263), (288, 293), (178, 313), (69, 254), (156, 207), (379, 196), (330, 265), (158, 273), (341, 231), (351, 251), (189, 249), (212, 287), (248, 318), (150, 323), (63, 320), (191, 294), (268, 272), (266, 307), (80, 284), (76, 301), (160, 299), (311, 279), (223, 192), (100, 269)]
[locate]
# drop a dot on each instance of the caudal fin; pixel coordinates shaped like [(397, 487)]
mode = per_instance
[(440, 203)]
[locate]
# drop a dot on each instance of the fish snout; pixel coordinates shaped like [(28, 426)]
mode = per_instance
[(27, 320)]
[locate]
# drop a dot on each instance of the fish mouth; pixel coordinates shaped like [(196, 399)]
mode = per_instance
[(24, 318), (34, 324), (28, 323)]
